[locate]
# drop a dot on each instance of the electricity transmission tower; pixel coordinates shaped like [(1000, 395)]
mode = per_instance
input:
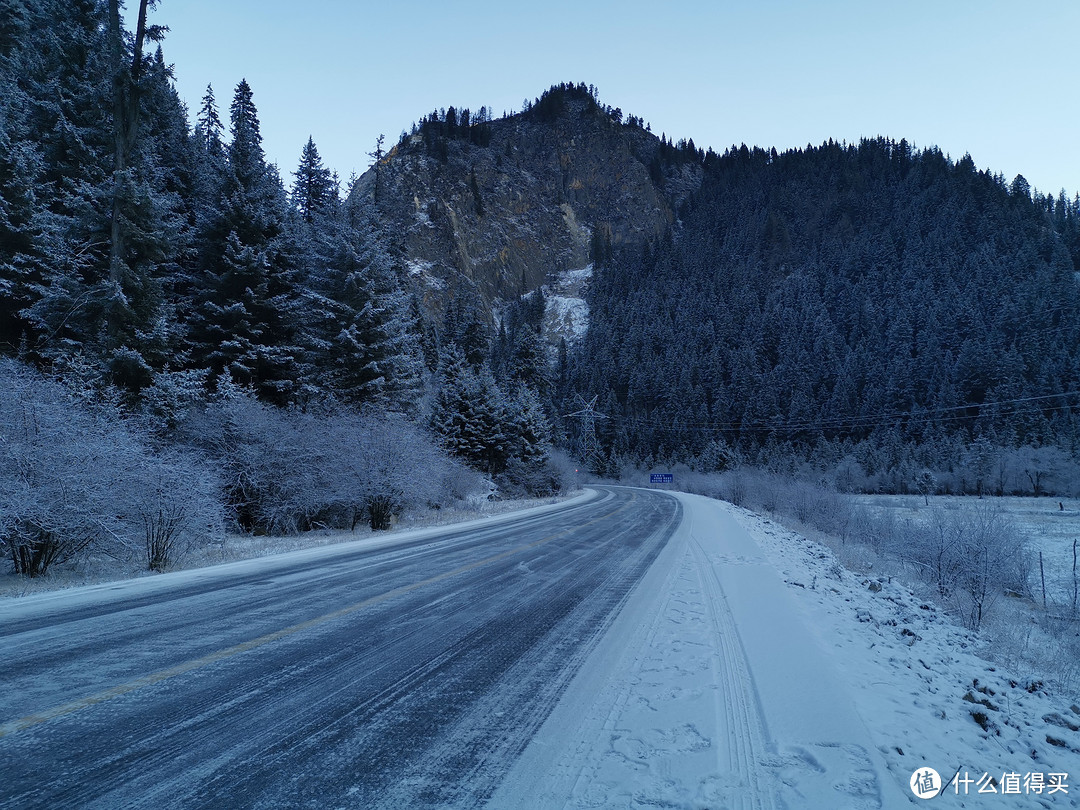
[(588, 444)]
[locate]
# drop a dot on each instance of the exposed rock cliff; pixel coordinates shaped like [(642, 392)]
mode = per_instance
[(545, 191)]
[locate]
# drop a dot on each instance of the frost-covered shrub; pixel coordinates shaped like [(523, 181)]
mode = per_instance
[(733, 487), (971, 556), (285, 471), (175, 501), (265, 473), (849, 475), (564, 471), (996, 560), (803, 499), (52, 473), (391, 466), (75, 478)]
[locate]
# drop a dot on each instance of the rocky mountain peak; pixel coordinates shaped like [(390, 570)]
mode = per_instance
[(489, 210)]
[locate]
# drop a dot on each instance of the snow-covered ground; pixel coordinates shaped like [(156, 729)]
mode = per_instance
[(1050, 525), (749, 669)]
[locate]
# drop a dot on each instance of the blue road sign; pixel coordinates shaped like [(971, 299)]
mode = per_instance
[(661, 478)]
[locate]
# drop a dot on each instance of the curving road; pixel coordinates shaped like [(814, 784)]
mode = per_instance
[(409, 676)]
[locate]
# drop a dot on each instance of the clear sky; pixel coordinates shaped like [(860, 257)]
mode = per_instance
[(994, 78)]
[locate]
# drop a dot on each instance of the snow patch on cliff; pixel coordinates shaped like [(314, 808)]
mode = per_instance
[(420, 268), (566, 313)]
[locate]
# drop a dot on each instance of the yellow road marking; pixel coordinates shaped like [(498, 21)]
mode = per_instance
[(22, 723)]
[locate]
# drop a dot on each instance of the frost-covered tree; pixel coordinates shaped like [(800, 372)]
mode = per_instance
[(527, 466), (362, 339), (208, 123), (244, 321), (528, 363), (469, 415), (75, 479), (926, 484), (313, 190)]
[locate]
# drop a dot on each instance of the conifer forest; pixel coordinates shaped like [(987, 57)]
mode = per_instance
[(195, 340)]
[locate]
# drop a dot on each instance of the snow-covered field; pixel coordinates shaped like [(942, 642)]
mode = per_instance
[(1050, 525), (926, 695), (751, 670)]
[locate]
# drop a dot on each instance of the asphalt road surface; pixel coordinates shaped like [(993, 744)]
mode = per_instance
[(402, 677)]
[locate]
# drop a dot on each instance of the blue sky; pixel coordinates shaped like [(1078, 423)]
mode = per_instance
[(995, 79)]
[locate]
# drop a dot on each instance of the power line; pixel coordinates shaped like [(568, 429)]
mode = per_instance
[(917, 415)]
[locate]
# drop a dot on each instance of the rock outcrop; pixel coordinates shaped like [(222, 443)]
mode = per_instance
[(548, 186)]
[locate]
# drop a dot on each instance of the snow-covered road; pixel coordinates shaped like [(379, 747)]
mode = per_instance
[(628, 649), (708, 692), (404, 676)]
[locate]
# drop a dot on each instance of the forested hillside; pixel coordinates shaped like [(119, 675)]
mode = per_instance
[(867, 299), (488, 208), (869, 313), (165, 291)]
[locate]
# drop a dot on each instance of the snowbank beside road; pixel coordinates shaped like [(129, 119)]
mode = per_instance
[(914, 675), (748, 669)]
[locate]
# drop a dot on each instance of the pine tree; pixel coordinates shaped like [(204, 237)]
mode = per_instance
[(158, 237), (362, 335), (533, 430), (127, 90), (528, 361), (66, 79), (208, 123), (21, 165), (470, 416), (313, 191), (209, 165), (248, 290), (99, 223), (359, 352), (377, 157), (465, 328)]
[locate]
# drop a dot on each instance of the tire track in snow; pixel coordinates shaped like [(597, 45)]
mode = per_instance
[(747, 739), (662, 715)]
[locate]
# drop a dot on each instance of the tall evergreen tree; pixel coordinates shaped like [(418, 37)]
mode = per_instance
[(67, 81), (208, 123), (21, 166), (313, 191), (127, 90), (248, 293), (362, 337), (532, 433), (470, 416)]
